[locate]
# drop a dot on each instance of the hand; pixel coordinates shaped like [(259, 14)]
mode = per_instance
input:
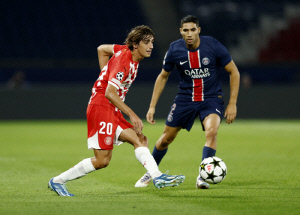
[(150, 115), (230, 113), (137, 123)]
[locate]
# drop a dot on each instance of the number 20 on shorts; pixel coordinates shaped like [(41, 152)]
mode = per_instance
[(105, 128)]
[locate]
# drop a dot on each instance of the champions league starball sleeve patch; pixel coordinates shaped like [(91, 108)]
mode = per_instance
[(117, 81), (120, 76)]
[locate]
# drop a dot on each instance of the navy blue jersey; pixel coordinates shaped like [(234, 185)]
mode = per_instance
[(200, 69)]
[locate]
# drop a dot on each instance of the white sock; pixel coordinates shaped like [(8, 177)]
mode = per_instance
[(146, 159), (79, 170)]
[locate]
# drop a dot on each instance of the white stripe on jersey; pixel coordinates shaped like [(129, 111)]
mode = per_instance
[(199, 58), (112, 83), (103, 73), (193, 90), (198, 54)]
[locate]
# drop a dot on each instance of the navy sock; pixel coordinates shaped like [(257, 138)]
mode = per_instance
[(208, 152), (158, 154)]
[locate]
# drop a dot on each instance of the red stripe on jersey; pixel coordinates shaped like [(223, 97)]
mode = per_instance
[(197, 90), (194, 59)]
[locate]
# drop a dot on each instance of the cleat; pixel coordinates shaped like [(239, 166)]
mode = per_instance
[(144, 180), (60, 189), (168, 180), (201, 184), (181, 179)]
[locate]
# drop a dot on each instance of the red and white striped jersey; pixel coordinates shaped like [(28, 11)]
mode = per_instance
[(120, 71)]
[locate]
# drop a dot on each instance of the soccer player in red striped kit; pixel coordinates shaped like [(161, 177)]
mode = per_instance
[(199, 60), (105, 121)]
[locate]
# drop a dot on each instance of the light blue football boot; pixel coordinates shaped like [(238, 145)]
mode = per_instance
[(60, 189), (168, 180)]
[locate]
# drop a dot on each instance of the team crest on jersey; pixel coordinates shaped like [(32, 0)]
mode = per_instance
[(205, 61), (108, 141), (120, 76)]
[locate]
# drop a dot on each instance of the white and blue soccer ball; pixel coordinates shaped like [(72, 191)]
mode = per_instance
[(213, 170)]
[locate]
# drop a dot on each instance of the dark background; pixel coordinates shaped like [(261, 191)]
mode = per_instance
[(49, 63)]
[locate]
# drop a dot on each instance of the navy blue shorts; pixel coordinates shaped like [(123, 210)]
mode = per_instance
[(183, 114)]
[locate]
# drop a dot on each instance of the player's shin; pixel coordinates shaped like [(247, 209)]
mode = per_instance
[(79, 170), (146, 159)]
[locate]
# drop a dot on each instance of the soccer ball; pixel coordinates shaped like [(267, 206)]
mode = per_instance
[(213, 170)]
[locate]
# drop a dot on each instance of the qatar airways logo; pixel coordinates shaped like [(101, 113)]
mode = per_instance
[(197, 73)]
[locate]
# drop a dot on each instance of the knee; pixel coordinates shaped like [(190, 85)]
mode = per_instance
[(100, 164), (143, 140), (211, 134), (166, 141)]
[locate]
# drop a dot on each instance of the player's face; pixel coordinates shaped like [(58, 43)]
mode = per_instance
[(190, 33), (145, 46)]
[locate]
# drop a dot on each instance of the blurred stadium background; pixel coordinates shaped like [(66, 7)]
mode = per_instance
[(48, 57)]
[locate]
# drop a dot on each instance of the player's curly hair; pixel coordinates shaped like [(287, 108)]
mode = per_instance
[(137, 34)]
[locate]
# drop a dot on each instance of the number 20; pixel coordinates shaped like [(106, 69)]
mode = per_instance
[(108, 128)]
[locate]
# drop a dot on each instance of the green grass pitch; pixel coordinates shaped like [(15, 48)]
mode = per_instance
[(262, 158)]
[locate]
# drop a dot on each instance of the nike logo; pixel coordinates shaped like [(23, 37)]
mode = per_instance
[(183, 62), (218, 111)]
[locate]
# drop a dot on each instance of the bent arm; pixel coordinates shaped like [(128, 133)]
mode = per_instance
[(104, 52), (234, 74), (159, 86), (113, 97)]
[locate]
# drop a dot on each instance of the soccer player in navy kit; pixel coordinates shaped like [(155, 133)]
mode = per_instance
[(199, 59)]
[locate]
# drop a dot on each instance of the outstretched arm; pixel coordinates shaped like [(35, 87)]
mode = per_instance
[(104, 52), (113, 97), (231, 109), (159, 86)]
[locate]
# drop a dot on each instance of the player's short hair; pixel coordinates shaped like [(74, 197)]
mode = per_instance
[(137, 34), (189, 18)]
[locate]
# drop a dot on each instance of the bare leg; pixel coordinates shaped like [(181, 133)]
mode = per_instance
[(167, 137), (211, 124)]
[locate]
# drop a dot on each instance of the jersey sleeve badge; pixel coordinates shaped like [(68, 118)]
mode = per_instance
[(120, 76)]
